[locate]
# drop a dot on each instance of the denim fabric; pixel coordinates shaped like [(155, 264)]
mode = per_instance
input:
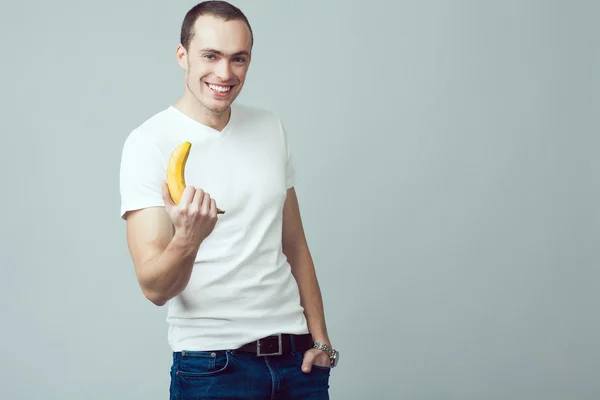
[(231, 375)]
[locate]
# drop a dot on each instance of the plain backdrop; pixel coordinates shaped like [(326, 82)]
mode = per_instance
[(448, 177)]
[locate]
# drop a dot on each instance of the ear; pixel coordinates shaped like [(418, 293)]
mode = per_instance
[(181, 56)]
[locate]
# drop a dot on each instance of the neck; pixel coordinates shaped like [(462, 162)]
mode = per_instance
[(196, 111)]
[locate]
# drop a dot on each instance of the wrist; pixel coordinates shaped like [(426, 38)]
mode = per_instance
[(325, 342), (330, 351), (184, 244), (321, 338)]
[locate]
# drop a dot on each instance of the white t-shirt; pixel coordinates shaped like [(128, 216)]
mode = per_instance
[(241, 287)]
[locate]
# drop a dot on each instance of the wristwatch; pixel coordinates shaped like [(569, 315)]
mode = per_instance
[(334, 355)]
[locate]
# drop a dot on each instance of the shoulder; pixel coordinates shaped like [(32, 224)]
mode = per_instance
[(150, 130), (142, 143)]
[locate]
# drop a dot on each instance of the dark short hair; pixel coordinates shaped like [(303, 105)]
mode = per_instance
[(217, 9)]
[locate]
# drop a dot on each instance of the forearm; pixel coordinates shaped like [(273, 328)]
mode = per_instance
[(311, 299), (168, 273)]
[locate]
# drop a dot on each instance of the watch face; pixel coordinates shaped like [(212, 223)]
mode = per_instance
[(335, 359)]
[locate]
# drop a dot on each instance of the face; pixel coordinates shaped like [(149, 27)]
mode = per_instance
[(216, 62)]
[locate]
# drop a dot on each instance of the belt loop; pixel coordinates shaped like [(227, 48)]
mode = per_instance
[(292, 344)]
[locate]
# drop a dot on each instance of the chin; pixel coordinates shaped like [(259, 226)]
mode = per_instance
[(218, 103), (217, 107)]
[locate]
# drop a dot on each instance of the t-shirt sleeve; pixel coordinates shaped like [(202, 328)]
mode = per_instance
[(290, 171), (141, 174)]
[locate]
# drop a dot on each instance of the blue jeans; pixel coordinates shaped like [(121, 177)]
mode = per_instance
[(234, 374)]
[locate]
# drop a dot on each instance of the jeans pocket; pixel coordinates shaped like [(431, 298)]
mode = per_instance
[(321, 368), (316, 367), (198, 364)]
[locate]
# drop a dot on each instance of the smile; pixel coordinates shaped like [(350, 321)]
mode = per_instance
[(219, 88)]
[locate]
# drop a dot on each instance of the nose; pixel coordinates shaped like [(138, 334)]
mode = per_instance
[(223, 70)]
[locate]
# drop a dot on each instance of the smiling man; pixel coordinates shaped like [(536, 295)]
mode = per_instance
[(245, 314)]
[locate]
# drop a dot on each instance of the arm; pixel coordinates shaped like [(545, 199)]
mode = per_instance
[(163, 261), (296, 249), (163, 238), (164, 241)]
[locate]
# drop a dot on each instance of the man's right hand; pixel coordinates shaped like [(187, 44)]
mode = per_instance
[(195, 217)]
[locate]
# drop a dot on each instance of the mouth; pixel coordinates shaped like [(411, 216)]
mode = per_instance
[(220, 90)]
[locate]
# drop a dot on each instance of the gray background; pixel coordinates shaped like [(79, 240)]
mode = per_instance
[(448, 177)]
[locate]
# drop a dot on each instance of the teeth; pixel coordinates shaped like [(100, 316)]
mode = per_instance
[(221, 89)]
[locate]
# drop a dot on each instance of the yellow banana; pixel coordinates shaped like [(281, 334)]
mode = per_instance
[(176, 172)]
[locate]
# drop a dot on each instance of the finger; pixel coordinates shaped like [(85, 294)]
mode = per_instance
[(205, 207), (187, 196), (198, 196), (166, 195), (308, 361)]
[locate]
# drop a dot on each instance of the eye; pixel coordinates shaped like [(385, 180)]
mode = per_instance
[(209, 56), (239, 59)]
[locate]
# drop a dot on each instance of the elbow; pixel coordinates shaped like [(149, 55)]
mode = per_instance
[(159, 295), (159, 302), (155, 298)]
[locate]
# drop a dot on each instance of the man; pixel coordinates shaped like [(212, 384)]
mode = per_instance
[(245, 314)]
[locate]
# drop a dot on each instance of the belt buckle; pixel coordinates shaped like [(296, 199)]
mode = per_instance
[(279, 344)]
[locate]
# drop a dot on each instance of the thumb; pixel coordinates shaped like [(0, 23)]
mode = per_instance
[(167, 195), (309, 359)]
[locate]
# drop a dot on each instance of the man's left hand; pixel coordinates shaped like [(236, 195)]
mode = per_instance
[(315, 357)]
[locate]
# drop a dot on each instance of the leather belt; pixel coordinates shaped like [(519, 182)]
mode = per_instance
[(280, 344)]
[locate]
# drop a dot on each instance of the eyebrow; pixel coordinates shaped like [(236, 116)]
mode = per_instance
[(239, 53)]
